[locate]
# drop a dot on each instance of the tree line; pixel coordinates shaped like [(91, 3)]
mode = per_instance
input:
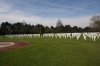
[(7, 28), (23, 28)]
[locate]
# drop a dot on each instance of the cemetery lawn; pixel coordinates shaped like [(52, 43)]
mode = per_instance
[(52, 52)]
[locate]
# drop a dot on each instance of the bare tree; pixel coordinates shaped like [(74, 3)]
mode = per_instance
[(59, 23), (95, 24), (59, 26)]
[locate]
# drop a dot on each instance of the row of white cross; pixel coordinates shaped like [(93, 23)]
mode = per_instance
[(91, 35)]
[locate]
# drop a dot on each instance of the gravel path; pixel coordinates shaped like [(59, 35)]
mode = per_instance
[(5, 46)]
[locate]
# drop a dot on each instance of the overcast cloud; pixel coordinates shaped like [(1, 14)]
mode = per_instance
[(47, 12)]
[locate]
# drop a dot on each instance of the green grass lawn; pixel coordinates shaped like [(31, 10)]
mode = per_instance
[(52, 52)]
